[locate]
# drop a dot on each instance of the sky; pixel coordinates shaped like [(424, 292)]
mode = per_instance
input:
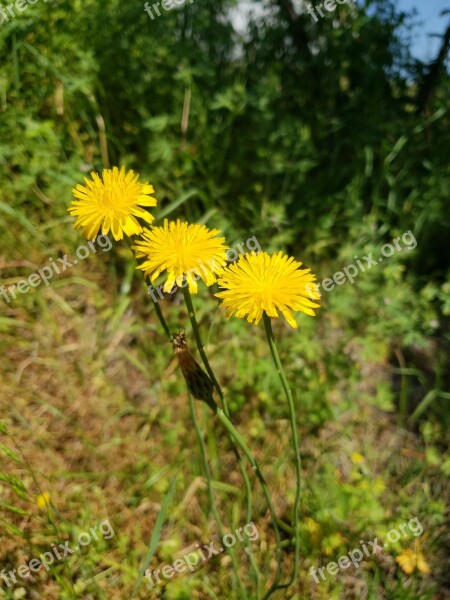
[(425, 47), (428, 17)]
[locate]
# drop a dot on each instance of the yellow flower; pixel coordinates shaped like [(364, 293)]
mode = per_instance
[(185, 251), (260, 282), (43, 500), (314, 529), (112, 202), (413, 559), (357, 458)]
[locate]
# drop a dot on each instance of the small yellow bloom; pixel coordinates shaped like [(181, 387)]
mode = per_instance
[(331, 543), (261, 282), (185, 251), (112, 202), (43, 500), (311, 525), (357, 458), (314, 529), (410, 559)]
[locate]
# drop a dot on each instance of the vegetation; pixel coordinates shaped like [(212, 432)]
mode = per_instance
[(325, 139)]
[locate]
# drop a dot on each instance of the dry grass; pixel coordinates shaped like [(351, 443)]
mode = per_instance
[(95, 407)]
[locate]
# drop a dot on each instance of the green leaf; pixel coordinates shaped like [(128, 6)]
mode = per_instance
[(12, 528), (156, 534), (424, 404), (175, 204), (14, 509), (9, 452), (20, 217)]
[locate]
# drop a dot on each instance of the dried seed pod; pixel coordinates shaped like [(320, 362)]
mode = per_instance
[(199, 384)]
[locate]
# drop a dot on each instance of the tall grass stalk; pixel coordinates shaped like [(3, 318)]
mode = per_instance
[(295, 441)]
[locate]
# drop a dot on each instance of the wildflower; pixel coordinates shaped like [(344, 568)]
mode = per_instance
[(112, 202), (189, 252), (314, 530), (410, 559), (43, 500), (331, 543), (357, 458), (261, 282)]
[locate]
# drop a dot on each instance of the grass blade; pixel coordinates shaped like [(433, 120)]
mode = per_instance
[(156, 535)]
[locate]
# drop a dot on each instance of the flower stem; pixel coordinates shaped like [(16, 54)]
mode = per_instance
[(228, 425), (224, 417), (162, 320), (207, 470), (213, 508), (201, 349), (158, 310), (212, 503), (295, 441)]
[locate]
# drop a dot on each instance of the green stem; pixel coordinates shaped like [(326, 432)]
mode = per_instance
[(248, 453), (212, 503), (158, 310), (248, 487), (224, 416), (201, 349), (295, 442), (201, 442), (165, 327), (162, 320)]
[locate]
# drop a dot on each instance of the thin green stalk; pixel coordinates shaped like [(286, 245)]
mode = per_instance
[(248, 488), (201, 442), (168, 333), (162, 320), (158, 310), (228, 425), (213, 508), (295, 441), (236, 436), (212, 503), (201, 349), (224, 416)]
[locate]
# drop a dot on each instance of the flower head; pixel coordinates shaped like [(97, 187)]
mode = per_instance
[(183, 250), (261, 282), (112, 201), (43, 500), (357, 458)]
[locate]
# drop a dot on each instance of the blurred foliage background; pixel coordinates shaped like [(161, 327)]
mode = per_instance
[(326, 139)]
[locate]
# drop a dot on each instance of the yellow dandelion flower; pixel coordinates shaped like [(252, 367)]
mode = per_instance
[(357, 458), (112, 202), (260, 282), (43, 500), (186, 252)]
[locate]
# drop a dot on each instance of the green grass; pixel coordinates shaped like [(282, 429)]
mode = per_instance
[(96, 414)]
